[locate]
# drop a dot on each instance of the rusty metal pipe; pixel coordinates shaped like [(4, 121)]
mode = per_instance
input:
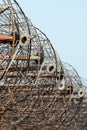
[(4, 38), (19, 57)]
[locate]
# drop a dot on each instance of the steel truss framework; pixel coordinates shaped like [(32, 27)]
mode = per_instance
[(37, 90)]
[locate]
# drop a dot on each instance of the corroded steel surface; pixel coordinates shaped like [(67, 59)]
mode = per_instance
[(37, 90)]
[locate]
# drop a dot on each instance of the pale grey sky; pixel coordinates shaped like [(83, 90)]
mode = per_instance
[(65, 24)]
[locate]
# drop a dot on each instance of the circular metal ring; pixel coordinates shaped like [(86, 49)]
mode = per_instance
[(81, 93), (24, 39), (51, 68), (61, 85)]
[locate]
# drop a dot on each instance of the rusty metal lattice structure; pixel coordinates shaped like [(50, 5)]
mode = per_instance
[(37, 90)]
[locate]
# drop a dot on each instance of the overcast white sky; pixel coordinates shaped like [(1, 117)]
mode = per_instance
[(65, 24)]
